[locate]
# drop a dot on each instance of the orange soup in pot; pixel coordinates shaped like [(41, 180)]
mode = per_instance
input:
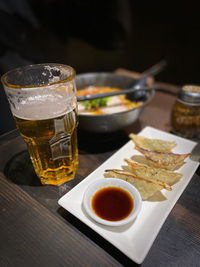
[(106, 105)]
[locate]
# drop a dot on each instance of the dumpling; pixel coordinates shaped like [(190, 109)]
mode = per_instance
[(163, 160), (152, 144), (146, 187), (142, 170)]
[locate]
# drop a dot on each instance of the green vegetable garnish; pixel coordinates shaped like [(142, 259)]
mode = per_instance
[(95, 103)]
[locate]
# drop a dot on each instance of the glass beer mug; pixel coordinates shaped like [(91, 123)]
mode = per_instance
[(42, 99)]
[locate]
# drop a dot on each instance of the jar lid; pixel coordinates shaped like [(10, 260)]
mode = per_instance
[(190, 94)]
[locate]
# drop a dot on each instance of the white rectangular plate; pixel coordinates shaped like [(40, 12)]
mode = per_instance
[(134, 240)]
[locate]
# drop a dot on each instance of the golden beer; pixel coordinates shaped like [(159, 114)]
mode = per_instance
[(43, 102), (52, 145)]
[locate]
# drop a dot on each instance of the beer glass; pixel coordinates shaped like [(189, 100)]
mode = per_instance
[(42, 99)]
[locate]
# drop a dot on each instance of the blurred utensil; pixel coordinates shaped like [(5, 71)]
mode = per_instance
[(152, 71), (114, 122), (138, 86), (121, 92)]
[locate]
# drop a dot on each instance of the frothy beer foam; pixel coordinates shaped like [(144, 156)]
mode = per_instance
[(45, 110), (40, 103)]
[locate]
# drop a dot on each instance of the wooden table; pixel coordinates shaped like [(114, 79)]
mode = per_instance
[(35, 231)]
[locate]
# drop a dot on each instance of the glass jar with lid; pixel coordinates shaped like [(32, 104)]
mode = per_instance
[(185, 116)]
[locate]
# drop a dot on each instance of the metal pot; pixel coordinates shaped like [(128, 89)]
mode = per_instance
[(110, 122)]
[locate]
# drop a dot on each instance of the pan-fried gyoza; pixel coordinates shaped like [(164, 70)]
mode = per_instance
[(156, 171), (146, 187), (152, 144), (163, 160), (145, 171)]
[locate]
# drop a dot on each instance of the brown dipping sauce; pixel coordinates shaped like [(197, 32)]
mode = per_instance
[(112, 203)]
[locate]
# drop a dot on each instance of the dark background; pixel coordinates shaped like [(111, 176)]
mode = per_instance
[(99, 36)]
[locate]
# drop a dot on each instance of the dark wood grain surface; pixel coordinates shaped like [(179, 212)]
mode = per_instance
[(32, 236), (36, 231)]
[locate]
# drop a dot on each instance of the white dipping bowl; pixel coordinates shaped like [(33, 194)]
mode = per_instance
[(111, 182)]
